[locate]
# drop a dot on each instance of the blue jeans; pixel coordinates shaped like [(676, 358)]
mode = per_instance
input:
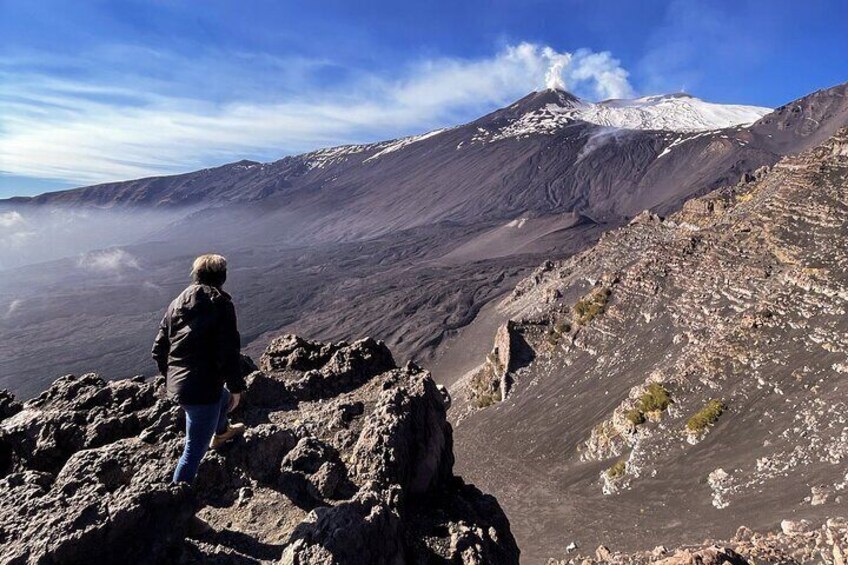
[(202, 422)]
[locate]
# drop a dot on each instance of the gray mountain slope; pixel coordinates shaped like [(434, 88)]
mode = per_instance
[(591, 169), (735, 308), (404, 240)]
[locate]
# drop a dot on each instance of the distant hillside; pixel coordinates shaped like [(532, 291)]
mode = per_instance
[(547, 153), (406, 240)]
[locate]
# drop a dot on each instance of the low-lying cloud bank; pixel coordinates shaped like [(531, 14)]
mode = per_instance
[(34, 235), (87, 133)]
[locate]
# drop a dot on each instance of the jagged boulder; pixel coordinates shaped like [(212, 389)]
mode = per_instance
[(407, 441), (299, 354), (364, 530), (314, 467), (308, 370), (76, 413), (261, 451)]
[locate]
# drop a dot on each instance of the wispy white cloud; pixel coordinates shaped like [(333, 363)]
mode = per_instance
[(15, 232), (112, 261), (89, 131), (10, 219)]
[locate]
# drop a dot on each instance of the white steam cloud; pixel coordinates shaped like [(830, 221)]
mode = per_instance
[(86, 133), (601, 71)]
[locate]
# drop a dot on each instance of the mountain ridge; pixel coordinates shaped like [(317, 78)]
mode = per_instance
[(286, 166)]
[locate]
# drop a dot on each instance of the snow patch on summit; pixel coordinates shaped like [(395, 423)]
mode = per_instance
[(673, 112)]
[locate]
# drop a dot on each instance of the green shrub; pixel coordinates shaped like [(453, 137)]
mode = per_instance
[(485, 388), (635, 416), (486, 399), (706, 416), (656, 397), (552, 336), (587, 310), (617, 470), (495, 362), (591, 306)]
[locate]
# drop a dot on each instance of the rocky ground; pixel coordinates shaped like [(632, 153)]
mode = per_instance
[(347, 459), (796, 542), (684, 377)]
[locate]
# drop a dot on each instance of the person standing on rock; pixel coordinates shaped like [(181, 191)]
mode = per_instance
[(197, 349)]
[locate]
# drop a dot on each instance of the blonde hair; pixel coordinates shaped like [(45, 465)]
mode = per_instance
[(209, 269)]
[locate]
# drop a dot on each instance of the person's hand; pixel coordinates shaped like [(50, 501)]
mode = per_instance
[(235, 397)]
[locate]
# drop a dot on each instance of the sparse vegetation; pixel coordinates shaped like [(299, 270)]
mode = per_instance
[(556, 331), (563, 327), (706, 416), (495, 362), (635, 416), (617, 470), (655, 398), (591, 306), (485, 387)]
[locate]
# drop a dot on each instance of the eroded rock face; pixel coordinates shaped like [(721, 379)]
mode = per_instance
[(346, 459), (407, 440)]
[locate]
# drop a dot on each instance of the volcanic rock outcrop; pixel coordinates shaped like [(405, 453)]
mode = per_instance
[(690, 373), (346, 459)]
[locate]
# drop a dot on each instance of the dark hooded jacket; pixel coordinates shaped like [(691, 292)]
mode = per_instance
[(197, 347)]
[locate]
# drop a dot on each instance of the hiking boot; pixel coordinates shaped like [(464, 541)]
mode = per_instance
[(197, 527), (232, 431)]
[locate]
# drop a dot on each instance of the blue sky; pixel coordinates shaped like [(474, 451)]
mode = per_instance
[(92, 91)]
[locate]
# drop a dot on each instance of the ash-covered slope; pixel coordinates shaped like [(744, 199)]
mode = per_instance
[(347, 460), (405, 240), (682, 378)]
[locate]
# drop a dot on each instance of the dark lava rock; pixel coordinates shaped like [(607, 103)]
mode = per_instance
[(346, 459), (312, 370), (294, 352), (8, 405)]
